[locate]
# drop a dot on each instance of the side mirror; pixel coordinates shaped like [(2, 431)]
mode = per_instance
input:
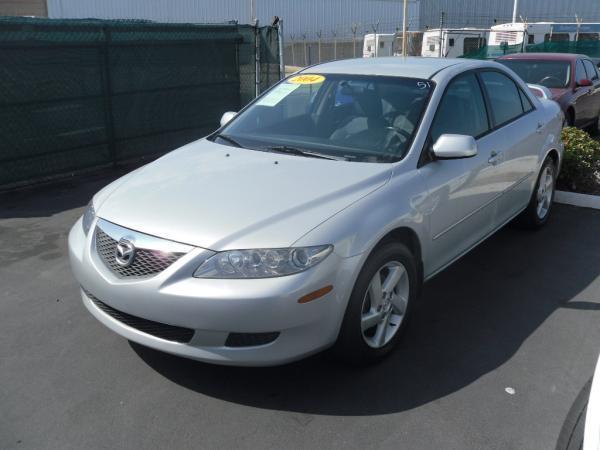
[(584, 82), (227, 117), (454, 146), (540, 91)]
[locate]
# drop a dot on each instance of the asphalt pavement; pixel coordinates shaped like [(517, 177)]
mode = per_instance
[(500, 345)]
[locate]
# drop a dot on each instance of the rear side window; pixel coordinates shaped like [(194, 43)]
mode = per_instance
[(505, 99), (461, 110), (525, 102)]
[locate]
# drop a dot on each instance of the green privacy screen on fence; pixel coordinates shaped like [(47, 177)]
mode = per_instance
[(79, 94), (589, 48)]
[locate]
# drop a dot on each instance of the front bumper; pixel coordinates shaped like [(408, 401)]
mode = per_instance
[(215, 308)]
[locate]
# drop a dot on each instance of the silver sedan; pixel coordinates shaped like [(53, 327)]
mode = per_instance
[(311, 218)]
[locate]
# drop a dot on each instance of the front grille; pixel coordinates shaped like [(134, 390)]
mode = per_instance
[(157, 329), (146, 262), (250, 339)]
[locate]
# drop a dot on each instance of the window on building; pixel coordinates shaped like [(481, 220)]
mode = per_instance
[(451, 42), (470, 44), (587, 37), (556, 37), (531, 39), (381, 44)]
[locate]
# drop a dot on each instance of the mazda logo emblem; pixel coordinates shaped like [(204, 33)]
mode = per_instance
[(124, 252)]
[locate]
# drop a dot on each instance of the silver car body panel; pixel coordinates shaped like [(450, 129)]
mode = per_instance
[(215, 197)]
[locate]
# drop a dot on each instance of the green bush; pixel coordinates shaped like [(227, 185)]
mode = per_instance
[(580, 170)]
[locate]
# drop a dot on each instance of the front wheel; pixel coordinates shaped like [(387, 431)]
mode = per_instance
[(379, 306), (537, 212)]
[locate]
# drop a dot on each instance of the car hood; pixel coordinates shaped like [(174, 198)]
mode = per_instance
[(220, 197)]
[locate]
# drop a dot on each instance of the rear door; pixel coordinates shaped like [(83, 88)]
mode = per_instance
[(517, 137)]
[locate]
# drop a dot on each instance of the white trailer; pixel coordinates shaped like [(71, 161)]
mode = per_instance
[(380, 44), (521, 34), (453, 42), (391, 44)]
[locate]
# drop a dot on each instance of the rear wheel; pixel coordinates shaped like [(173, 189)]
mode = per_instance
[(537, 212), (379, 306)]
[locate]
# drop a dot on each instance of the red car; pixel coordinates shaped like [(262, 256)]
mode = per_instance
[(572, 79)]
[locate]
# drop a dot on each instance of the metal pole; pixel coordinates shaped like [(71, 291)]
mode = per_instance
[(404, 13), (256, 59), (252, 11), (281, 60), (293, 50), (335, 45), (441, 37), (354, 28), (305, 57), (515, 9), (319, 36)]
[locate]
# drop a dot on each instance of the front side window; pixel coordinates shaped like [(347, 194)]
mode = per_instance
[(580, 71), (355, 117), (505, 100), (590, 69), (551, 74), (461, 110)]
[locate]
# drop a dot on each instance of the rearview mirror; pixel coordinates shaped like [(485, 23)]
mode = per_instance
[(227, 117), (584, 82), (454, 146)]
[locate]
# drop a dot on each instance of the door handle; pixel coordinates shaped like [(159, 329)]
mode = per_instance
[(494, 157), (540, 126)]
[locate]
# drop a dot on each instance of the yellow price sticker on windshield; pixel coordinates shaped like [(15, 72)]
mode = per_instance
[(307, 79)]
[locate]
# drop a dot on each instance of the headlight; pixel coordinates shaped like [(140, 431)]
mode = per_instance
[(88, 217), (262, 263)]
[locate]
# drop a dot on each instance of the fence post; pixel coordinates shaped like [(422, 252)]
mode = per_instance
[(107, 95), (319, 33), (334, 45), (281, 60), (256, 59)]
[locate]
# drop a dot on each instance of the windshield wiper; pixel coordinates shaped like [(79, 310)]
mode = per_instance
[(228, 139), (300, 152)]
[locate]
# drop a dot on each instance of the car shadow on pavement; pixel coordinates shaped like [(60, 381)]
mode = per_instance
[(470, 320)]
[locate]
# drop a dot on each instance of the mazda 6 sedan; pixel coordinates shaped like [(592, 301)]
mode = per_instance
[(312, 217)]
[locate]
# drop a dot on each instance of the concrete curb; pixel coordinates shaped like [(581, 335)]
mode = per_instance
[(576, 199)]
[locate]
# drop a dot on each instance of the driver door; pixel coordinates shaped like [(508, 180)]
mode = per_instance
[(462, 192)]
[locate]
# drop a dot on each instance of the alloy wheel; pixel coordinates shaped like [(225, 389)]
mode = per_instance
[(544, 192), (384, 304)]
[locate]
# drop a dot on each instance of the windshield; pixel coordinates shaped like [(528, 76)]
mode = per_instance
[(354, 117), (552, 74)]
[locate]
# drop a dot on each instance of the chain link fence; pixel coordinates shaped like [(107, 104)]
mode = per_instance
[(81, 94)]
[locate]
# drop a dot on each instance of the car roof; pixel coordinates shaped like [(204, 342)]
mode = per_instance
[(397, 66), (544, 56)]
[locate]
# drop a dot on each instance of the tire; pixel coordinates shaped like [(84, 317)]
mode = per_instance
[(534, 216), (569, 120), (389, 261), (573, 429)]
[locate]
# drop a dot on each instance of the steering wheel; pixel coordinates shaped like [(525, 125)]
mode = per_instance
[(550, 77), (395, 134)]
